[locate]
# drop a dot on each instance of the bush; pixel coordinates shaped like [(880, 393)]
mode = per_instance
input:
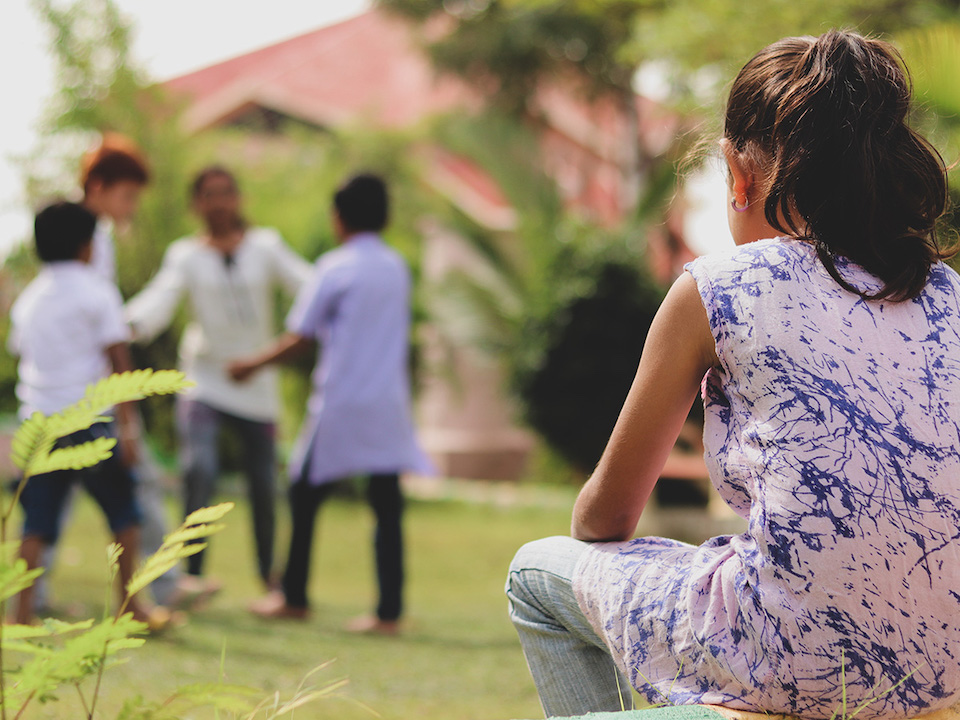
[(578, 354)]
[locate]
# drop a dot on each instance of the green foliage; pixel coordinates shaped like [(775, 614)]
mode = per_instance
[(562, 304), (486, 306), (932, 54), (32, 445), (60, 654), (518, 41), (577, 355), (101, 88), (694, 33), (197, 525), (510, 47), (83, 649)]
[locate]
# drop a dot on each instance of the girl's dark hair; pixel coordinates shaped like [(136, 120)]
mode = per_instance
[(823, 123)]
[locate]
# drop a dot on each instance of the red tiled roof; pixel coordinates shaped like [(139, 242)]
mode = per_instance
[(365, 69), (370, 70)]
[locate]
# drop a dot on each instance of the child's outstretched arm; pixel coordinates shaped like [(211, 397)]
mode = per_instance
[(285, 348), (678, 351), (128, 420)]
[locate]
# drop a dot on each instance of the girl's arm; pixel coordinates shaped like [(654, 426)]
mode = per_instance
[(678, 351)]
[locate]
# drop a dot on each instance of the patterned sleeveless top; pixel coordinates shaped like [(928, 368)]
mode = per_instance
[(833, 427)]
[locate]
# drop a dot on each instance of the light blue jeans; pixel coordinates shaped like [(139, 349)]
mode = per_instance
[(571, 667)]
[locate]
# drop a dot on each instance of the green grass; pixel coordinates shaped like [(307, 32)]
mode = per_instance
[(459, 656)]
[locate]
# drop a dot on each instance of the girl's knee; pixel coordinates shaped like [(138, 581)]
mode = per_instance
[(558, 554)]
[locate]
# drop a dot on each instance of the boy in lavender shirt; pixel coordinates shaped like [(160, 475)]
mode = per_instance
[(356, 306)]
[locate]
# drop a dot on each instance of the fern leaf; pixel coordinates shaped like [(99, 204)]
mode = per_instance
[(164, 382), (25, 647), (194, 532), (175, 546), (76, 658), (75, 457), (19, 634), (114, 551), (117, 388), (29, 440), (32, 444), (113, 390), (12, 633), (159, 563), (62, 627), (208, 514), (76, 417), (16, 577)]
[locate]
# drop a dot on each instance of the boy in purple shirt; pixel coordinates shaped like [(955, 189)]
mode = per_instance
[(356, 306)]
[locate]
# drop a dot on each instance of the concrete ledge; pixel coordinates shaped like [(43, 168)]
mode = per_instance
[(950, 713), (715, 712), (668, 712)]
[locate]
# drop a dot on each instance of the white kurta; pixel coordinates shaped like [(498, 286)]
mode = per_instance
[(357, 306), (232, 306)]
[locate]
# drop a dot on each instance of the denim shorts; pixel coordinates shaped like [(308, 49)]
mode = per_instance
[(110, 483)]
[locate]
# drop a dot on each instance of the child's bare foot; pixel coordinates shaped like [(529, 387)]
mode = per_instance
[(157, 618), (274, 605), (370, 625), (193, 592)]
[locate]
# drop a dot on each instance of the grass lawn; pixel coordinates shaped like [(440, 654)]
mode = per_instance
[(459, 657)]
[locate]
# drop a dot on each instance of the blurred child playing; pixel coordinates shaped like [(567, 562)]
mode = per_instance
[(68, 330)]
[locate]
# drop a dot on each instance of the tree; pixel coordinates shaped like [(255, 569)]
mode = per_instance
[(518, 42), (726, 33), (287, 176), (509, 49), (933, 55), (562, 305)]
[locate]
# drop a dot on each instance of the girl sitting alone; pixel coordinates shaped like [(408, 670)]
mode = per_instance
[(827, 347)]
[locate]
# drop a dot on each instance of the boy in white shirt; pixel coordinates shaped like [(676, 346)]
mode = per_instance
[(113, 176), (229, 273), (68, 330)]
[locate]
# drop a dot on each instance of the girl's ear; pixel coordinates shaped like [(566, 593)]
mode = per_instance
[(741, 179)]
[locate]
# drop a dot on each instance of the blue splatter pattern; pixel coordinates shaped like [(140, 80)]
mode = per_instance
[(833, 427)]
